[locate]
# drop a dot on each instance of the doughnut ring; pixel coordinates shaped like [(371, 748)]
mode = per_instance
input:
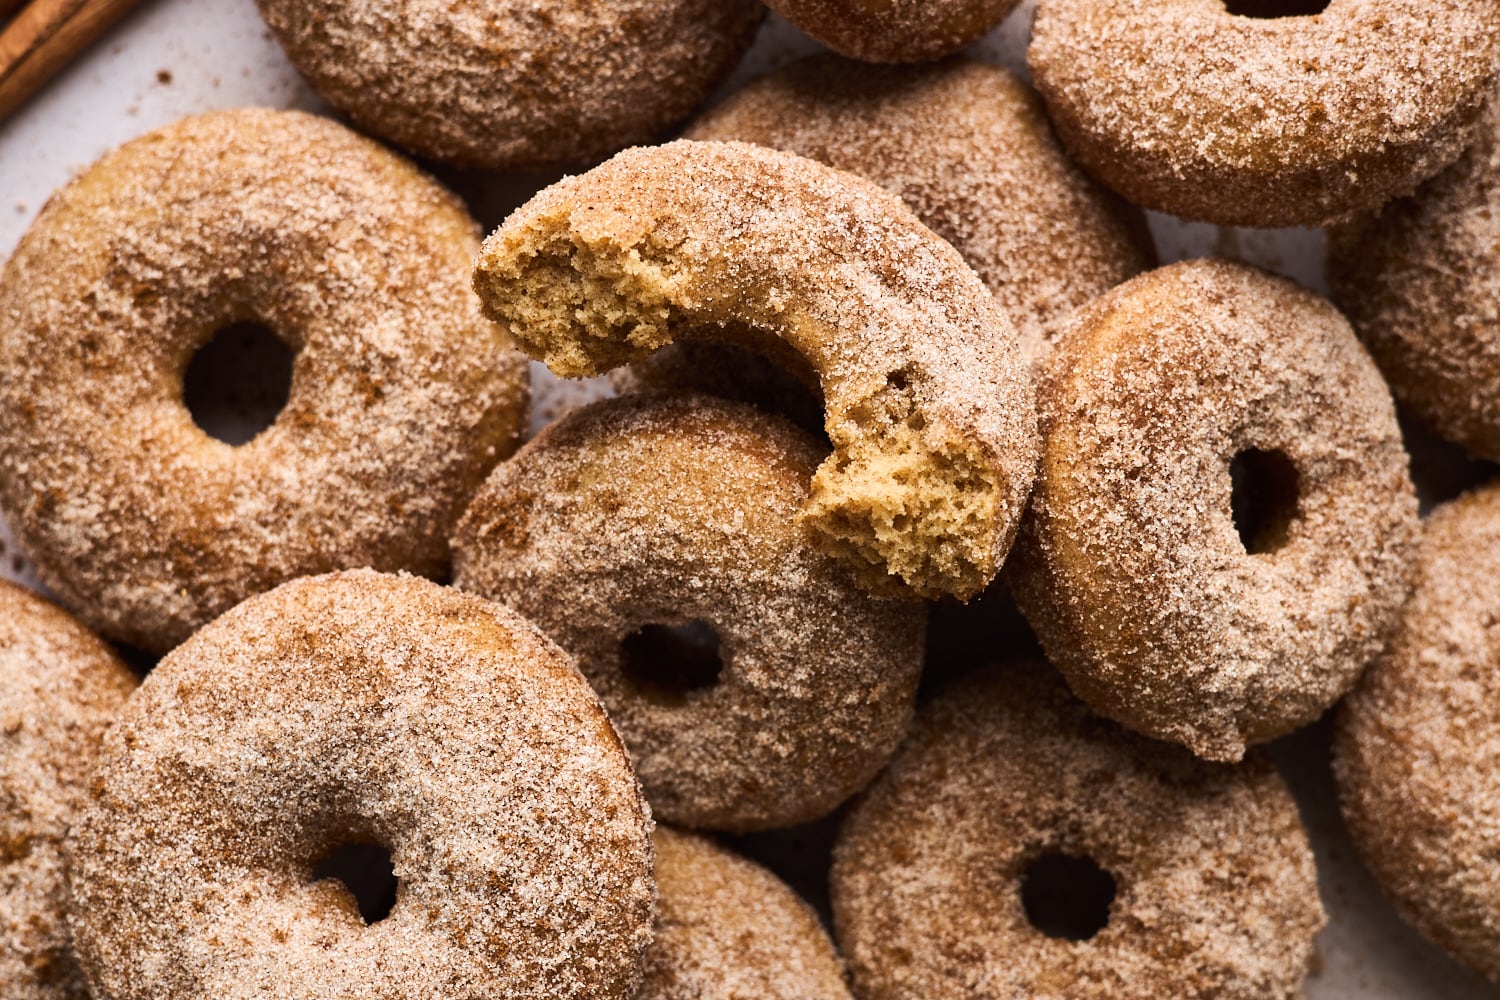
[(514, 84), (363, 708), (60, 688), (402, 395), (1183, 604), (895, 31), (1417, 745), (1420, 280), (1019, 847), (636, 514), (929, 405), (1268, 120)]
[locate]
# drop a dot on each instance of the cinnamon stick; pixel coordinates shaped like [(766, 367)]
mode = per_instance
[(46, 36)]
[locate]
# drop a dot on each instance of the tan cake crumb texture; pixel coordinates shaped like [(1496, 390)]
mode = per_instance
[(363, 708), (60, 688), (1417, 749), (1216, 896), (1131, 568), (928, 402), (895, 31)]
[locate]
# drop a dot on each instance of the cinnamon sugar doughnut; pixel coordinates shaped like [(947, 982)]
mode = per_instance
[(637, 513), (359, 707), (928, 403), (59, 689), (402, 395), (1417, 747), (1420, 281), (1131, 570), (514, 84), (727, 929), (1258, 119), (895, 31), (1019, 847)]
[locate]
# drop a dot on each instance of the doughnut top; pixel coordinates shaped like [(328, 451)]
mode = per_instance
[(967, 146), (60, 688), (895, 31)]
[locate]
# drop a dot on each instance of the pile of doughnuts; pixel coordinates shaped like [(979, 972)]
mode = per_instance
[(411, 687)]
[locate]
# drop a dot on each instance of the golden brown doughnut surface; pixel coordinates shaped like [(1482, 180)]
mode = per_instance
[(928, 402), (637, 513), (60, 688), (1214, 892), (1161, 613), (895, 31), (402, 395)]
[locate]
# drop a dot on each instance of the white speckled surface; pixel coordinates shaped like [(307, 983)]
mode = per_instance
[(177, 57)]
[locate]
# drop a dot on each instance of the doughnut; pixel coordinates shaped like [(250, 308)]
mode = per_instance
[(514, 84), (1020, 847), (929, 405), (1417, 744), (351, 708), (967, 146), (1176, 600), (60, 688), (1239, 113), (637, 514), (1420, 281), (402, 395), (894, 31), (727, 929)]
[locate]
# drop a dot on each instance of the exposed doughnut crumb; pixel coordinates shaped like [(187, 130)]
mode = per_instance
[(895, 31)]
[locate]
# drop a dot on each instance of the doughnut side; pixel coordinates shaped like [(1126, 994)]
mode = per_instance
[(895, 31)]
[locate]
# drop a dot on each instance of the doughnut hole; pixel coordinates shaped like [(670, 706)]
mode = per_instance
[(666, 664), (237, 384), (1067, 896), (365, 870), (1264, 498), (1276, 8)]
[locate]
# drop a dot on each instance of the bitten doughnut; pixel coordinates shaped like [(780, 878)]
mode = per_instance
[(1019, 847), (895, 31), (363, 708), (636, 514), (928, 403), (1229, 111), (1420, 281), (1417, 746), (727, 929), (402, 395), (60, 688), (514, 84), (1184, 604)]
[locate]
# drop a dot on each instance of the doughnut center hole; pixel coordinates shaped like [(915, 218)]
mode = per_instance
[(367, 873), (1276, 8), (1067, 896), (666, 663), (1264, 498), (238, 383)]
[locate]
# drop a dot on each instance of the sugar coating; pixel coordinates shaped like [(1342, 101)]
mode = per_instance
[(648, 511), (60, 687), (1216, 892), (1131, 568), (514, 84), (727, 929), (402, 398), (928, 402), (1417, 747), (1287, 121), (361, 707), (895, 31), (1420, 281)]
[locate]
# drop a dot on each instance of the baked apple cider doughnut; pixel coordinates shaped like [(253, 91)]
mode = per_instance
[(514, 84), (361, 708), (895, 31), (401, 398), (1020, 847), (60, 688), (928, 402), (656, 540), (1223, 523), (1417, 748), (1265, 112)]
